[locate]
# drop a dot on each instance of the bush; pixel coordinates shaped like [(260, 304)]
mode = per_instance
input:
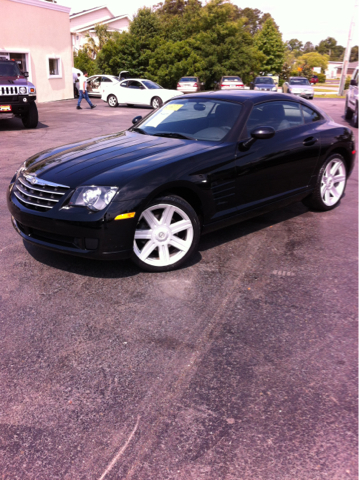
[(347, 83), (321, 77)]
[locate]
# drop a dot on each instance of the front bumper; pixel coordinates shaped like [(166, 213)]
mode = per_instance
[(103, 238), (303, 94), (17, 104)]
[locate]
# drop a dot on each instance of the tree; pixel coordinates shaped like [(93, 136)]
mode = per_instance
[(308, 47), (253, 19), (83, 62), (354, 54), (330, 47), (96, 43), (295, 44), (269, 42), (314, 59)]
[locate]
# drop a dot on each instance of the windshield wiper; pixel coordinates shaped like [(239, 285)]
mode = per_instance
[(174, 135), (139, 130)]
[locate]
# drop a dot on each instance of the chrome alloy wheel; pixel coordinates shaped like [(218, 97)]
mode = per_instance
[(333, 182), (163, 236)]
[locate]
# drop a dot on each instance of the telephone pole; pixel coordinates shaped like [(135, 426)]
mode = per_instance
[(347, 53)]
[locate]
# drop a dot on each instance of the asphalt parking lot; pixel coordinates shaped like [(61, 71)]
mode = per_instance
[(241, 366)]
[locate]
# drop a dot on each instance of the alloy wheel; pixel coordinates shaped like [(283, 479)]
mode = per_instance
[(333, 182)]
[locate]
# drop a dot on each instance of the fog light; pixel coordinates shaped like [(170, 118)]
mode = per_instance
[(24, 99)]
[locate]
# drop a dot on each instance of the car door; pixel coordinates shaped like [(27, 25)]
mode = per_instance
[(282, 165), (136, 93), (93, 86)]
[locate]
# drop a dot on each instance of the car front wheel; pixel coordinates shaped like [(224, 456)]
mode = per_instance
[(166, 235), (112, 101), (31, 118), (156, 102), (330, 185)]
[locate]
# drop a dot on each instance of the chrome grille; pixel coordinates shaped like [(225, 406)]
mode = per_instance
[(9, 90), (38, 194)]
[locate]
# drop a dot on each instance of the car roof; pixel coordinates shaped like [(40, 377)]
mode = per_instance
[(241, 96), (301, 78)]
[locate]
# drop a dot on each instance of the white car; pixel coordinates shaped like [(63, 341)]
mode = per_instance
[(189, 85), (137, 91), (96, 83), (230, 83)]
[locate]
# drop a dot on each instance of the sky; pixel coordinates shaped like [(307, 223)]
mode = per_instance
[(306, 20)]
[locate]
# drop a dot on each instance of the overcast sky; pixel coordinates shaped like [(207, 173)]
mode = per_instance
[(307, 20)]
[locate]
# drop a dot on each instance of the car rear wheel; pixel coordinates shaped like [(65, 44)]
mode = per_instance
[(156, 102), (112, 101), (166, 235), (31, 118), (330, 185), (348, 113)]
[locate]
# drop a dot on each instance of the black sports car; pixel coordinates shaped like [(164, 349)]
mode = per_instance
[(199, 163)]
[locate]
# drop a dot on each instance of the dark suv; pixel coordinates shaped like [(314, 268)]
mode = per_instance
[(17, 94)]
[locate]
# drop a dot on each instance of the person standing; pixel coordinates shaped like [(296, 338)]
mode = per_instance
[(83, 91)]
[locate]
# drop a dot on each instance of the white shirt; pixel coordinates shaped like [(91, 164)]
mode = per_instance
[(82, 79)]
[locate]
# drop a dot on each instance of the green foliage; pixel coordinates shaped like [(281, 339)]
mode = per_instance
[(285, 73), (314, 59), (84, 62), (321, 77), (354, 54), (330, 47), (95, 44), (269, 42)]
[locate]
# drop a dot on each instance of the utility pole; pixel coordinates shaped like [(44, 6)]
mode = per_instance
[(347, 53)]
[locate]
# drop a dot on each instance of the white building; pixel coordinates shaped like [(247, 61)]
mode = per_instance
[(85, 21)]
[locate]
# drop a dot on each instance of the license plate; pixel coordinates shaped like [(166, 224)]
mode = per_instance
[(5, 108)]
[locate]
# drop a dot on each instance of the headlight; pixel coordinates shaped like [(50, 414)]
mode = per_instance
[(23, 90), (256, 88), (94, 198)]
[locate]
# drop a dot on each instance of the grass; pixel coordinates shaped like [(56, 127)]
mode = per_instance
[(330, 95), (323, 90)]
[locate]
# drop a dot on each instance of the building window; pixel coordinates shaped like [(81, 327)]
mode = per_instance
[(54, 67)]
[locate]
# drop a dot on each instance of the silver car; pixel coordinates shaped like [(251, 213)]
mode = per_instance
[(299, 86), (351, 100)]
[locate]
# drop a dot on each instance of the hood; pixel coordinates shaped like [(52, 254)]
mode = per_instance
[(17, 81), (300, 87), (101, 159)]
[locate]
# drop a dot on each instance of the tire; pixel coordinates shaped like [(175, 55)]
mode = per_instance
[(355, 117), (330, 185), (112, 101), (348, 113), (166, 235), (31, 119), (156, 102)]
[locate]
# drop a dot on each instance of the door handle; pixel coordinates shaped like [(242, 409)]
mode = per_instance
[(310, 141)]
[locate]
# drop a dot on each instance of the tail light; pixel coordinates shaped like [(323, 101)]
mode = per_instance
[(224, 85), (195, 85), (240, 85), (178, 85)]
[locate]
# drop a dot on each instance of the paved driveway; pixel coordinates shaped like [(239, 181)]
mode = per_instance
[(241, 366)]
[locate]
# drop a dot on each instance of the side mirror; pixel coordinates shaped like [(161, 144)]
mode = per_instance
[(260, 133), (353, 83), (26, 74), (136, 119)]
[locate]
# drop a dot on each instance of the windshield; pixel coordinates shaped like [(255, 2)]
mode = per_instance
[(188, 79), (299, 81), (9, 69), (151, 85), (231, 79), (264, 80), (194, 119)]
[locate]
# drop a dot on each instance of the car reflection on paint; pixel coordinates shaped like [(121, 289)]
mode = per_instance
[(199, 163)]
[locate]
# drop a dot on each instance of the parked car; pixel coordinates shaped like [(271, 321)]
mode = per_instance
[(201, 162), (351, 100), (189, 84), (314, 80), (299, 86), (230, 83), (263, 83), (97, 83), (137, 91)]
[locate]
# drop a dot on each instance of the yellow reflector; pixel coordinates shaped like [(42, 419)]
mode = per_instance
[(125, 215)]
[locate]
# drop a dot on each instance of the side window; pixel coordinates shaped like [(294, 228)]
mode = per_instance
[(124, 84), (310, 115), (105, 79), (278, 115), (135, 84)]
